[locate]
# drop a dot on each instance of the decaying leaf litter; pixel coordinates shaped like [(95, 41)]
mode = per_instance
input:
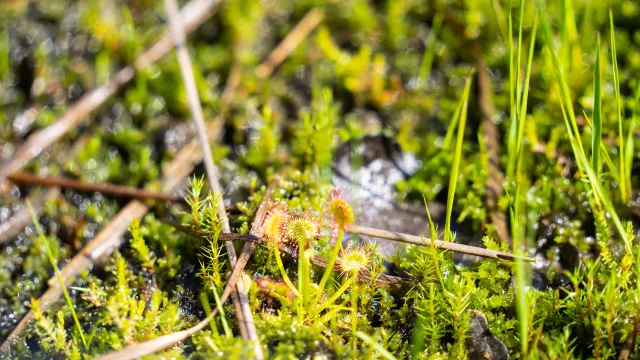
[(540, 165)]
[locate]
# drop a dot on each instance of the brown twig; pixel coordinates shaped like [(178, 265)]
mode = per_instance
[(290, 42), (193, 14), (22, 218), (247, 248), (241, 302), (418, 240), (105, 188), (222, 236)]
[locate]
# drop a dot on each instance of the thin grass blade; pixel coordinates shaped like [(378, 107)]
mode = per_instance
[(456, 160)]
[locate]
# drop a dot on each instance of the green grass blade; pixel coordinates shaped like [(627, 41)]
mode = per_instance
[(587, 26), (448, 138), (225, 325), (502, 22), (513, 126), (624, 185), (429, 52), (584, 167), (519, 54), (630, 150), (374, 344), (565, 93), (456, 160), (571, 127), (4, 53), (522, 115), (54, 264), (596, 129), (604, 151)]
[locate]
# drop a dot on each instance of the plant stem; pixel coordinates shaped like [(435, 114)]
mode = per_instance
[(283, 272), (329, 270), (354, 316), (243, 311), (303, 273), (227, 330), (336, 295)]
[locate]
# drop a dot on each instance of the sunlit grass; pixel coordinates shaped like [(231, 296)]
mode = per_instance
[(596, 129), (429, 52), (453, 180), (625, 176), (571, 127), (517, 173)]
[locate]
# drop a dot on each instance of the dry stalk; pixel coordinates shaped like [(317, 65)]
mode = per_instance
[(241, 302), (420, 240), (105, 188)]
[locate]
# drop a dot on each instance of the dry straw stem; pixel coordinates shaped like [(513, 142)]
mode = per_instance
[(112, 235), (290, 42), (247, 248), (240, 301), (420, 240), (193, 14), (105, 188), (160, 343)]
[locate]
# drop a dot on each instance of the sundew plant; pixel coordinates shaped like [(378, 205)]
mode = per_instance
[(319, 179)]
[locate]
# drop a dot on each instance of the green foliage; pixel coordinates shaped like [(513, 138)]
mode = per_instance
[(397, 69), (315, 135), (263, 151), (143, 253), (54, 336)]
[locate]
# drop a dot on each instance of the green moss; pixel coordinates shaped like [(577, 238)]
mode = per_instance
[(361, 72)]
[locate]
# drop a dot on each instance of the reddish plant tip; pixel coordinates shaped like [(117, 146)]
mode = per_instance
[(304, 227), (269, 286), (353, 260), (277, 216)]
